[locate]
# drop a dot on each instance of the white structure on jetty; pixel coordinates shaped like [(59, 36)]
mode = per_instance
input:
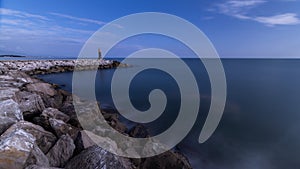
[(99, 54)]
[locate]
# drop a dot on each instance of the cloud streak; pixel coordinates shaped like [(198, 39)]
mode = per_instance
[(240, 9), (21, 14), (78, 18)]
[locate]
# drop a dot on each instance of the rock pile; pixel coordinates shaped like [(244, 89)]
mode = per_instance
[(39, 129), (57, 66)]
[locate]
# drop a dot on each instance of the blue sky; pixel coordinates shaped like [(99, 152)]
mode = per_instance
[(237, 28)]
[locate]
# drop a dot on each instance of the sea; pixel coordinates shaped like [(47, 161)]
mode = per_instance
[(260, 125)]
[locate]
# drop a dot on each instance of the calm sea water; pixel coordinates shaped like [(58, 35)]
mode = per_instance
[(261, 123)]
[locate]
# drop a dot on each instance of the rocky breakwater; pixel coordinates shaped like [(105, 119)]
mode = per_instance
[(39, 128), (32, 67)]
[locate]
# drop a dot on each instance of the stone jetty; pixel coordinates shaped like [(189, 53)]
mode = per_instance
[(32, 67), (39, 128)]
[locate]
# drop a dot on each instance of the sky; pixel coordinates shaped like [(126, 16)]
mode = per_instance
[(237, 28)]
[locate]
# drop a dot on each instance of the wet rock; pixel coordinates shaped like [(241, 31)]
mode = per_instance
[(61, 128), (9, 108), (44, 139), (18, 150), (61, 152), (31, 104), (139, 131), (96, 157)]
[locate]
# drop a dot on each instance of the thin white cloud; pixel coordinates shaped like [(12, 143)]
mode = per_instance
[(21, 14), (78, 18), (282, 19), (245, 3), (240, 10)]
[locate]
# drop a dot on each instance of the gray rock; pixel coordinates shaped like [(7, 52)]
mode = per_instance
[(31, 104), (83, 141), (96, 157), (61, 128), (37, 157), (44, 139), (61, 152), (5, 123), (44, 88), (18, 149), (9, 108), (55, 114), (8, 93), (43, 119)]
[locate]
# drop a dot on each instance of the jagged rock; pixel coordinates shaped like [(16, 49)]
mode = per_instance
[(96, 157), (139, 131), (69, 110), (61, 152), (31, 104), (168, 159), (37, 157), (5, 123), (44, 88), (55, 114), (18, 150), (43, 119), (9, 114), (53, 101), (61, 128), (9, 108), (44, 139), (83, 141)]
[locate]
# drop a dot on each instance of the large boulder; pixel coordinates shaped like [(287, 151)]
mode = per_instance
[(96, 157), (44, 139), (50, 96), (9, 108), (9, 114), (61, 152), (31, 104), (18, 150)]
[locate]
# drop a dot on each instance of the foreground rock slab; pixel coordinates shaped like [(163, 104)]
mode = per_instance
[(96, 157), (18, 150), (61, 152)]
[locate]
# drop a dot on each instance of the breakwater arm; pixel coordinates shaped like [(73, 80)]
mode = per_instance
[(39, 127)]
